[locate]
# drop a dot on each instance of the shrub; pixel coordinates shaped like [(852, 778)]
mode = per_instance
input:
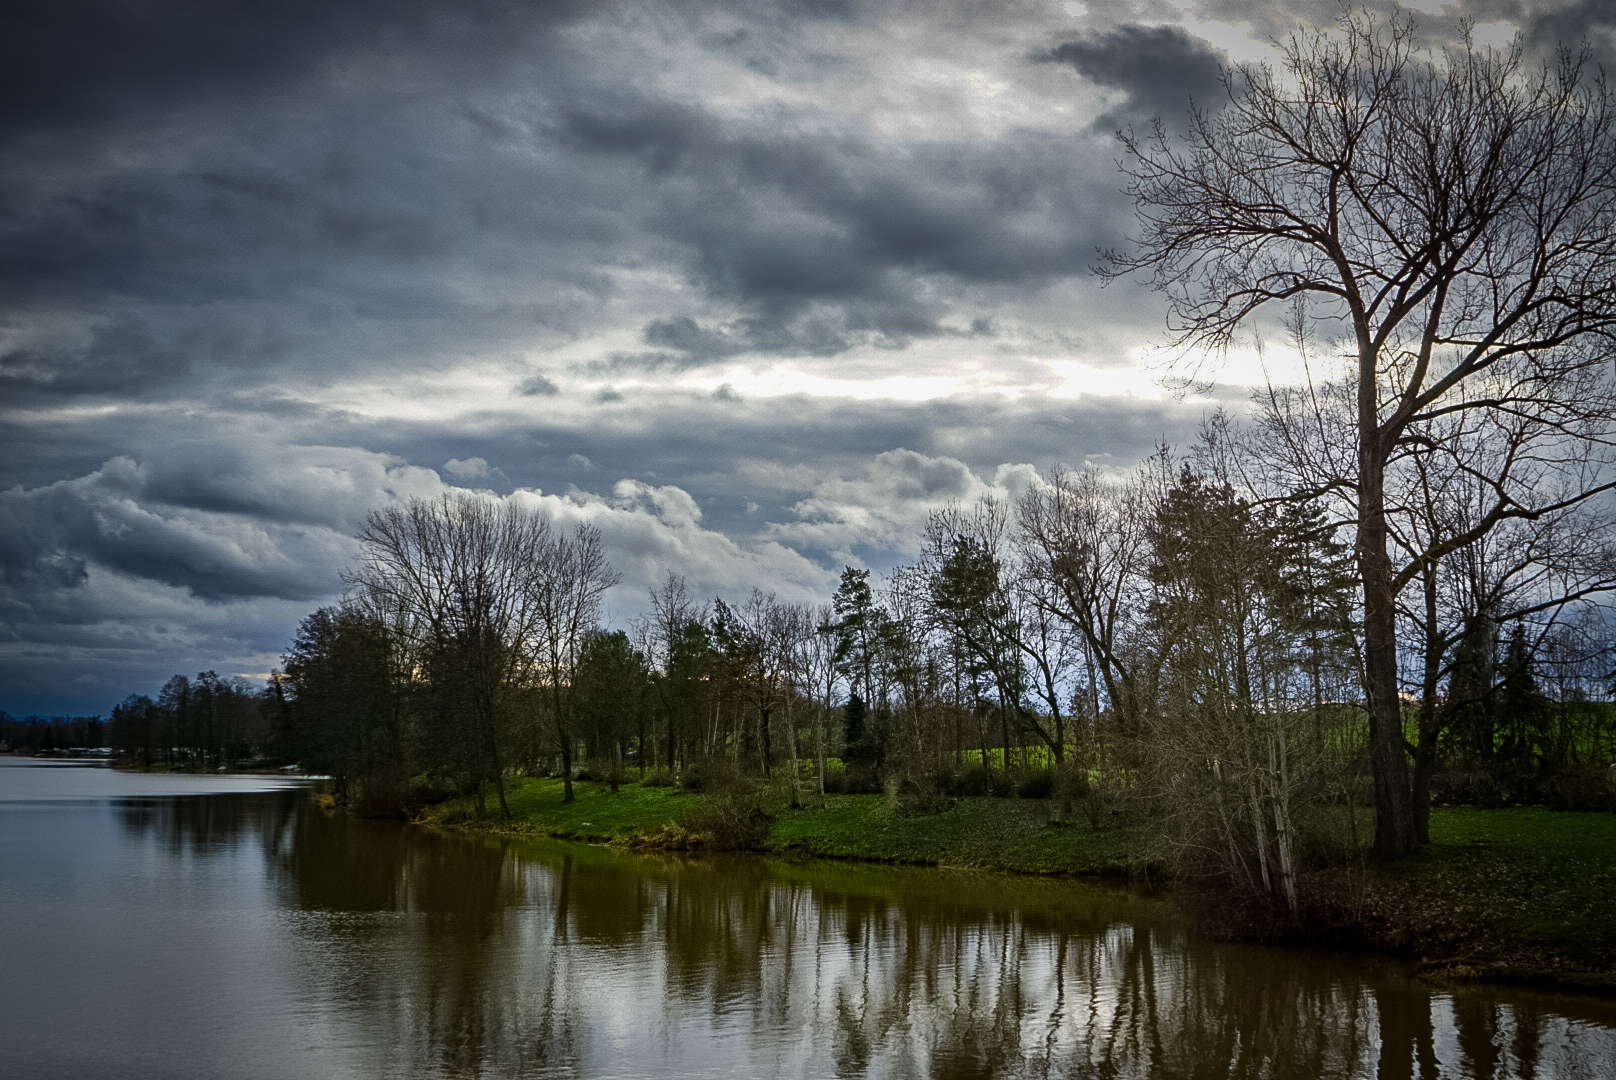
[(1582, 787), (862, 780), (921, 797), (658, 778), (1036, 784), (975, 781), (853, 780), (731, 817), (969, 782), (706, 777)]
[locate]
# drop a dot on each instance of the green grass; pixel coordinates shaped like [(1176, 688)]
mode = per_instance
[(594, 814), (997, 834), (1546, 876), (1522, 894)]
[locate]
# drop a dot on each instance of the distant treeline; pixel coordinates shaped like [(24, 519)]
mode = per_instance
[(49, 734), (206, 721)]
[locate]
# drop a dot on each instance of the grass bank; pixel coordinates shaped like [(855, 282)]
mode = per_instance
[(1012, 835), (1521, 895), (1518, 895)]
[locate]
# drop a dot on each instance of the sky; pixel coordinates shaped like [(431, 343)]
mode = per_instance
[(752, 288)]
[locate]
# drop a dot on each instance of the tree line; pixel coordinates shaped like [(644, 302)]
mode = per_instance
[(50, 734), (1179, 640)]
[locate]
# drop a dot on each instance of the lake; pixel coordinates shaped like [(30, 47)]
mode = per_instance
[(197, 926)]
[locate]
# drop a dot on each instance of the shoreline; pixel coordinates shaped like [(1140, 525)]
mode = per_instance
[(1519, 897)]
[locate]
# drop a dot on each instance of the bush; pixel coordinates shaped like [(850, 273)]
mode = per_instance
[(975, 780), (1583, 788), (970, 782), (732, 818), (428, 790), (921, 797), (863, 780), (706, 777), (658, 778), (1487, 789), (1036, 784)]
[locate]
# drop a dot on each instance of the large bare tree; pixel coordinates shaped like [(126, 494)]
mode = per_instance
[(569, 583), (496, 603), (1450, 220), (455, 576)]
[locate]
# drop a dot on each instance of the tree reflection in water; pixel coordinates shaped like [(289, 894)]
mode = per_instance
[(460, 956)]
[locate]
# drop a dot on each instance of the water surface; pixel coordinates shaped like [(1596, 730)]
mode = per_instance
[(223, 927)]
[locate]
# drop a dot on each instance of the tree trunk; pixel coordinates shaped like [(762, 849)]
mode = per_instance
[(1388, 762), (1428, 728), (791, 751), (1424, 768), (764, 741)]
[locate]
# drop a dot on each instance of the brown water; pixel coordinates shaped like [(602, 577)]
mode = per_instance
[(239, 933)]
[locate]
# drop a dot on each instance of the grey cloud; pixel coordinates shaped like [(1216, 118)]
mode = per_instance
[(228, 538), (106, 519), (217, 520), (825, 244), (731, 453), (684, 334), (1588, 21), (882, 509), (75, 61), (619, 363), (1161, 68), (537, 386), (330, 226), (302, 234)]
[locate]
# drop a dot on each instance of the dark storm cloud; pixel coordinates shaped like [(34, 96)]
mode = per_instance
[(70, 62), (827, 244), (333, 225), (1590, 22), (310, 200), (210, 520), (1162, 69)]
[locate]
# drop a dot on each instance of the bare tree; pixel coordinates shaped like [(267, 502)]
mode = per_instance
[(569, 583), (1001, 616), (1082, 540), (821, 675), (1532, 570), (787, 633), (456, 576), (494, 602), (668, 630), (1450, 220)]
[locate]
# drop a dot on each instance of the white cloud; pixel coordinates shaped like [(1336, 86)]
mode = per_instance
[(650, 531), (884, 508)]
